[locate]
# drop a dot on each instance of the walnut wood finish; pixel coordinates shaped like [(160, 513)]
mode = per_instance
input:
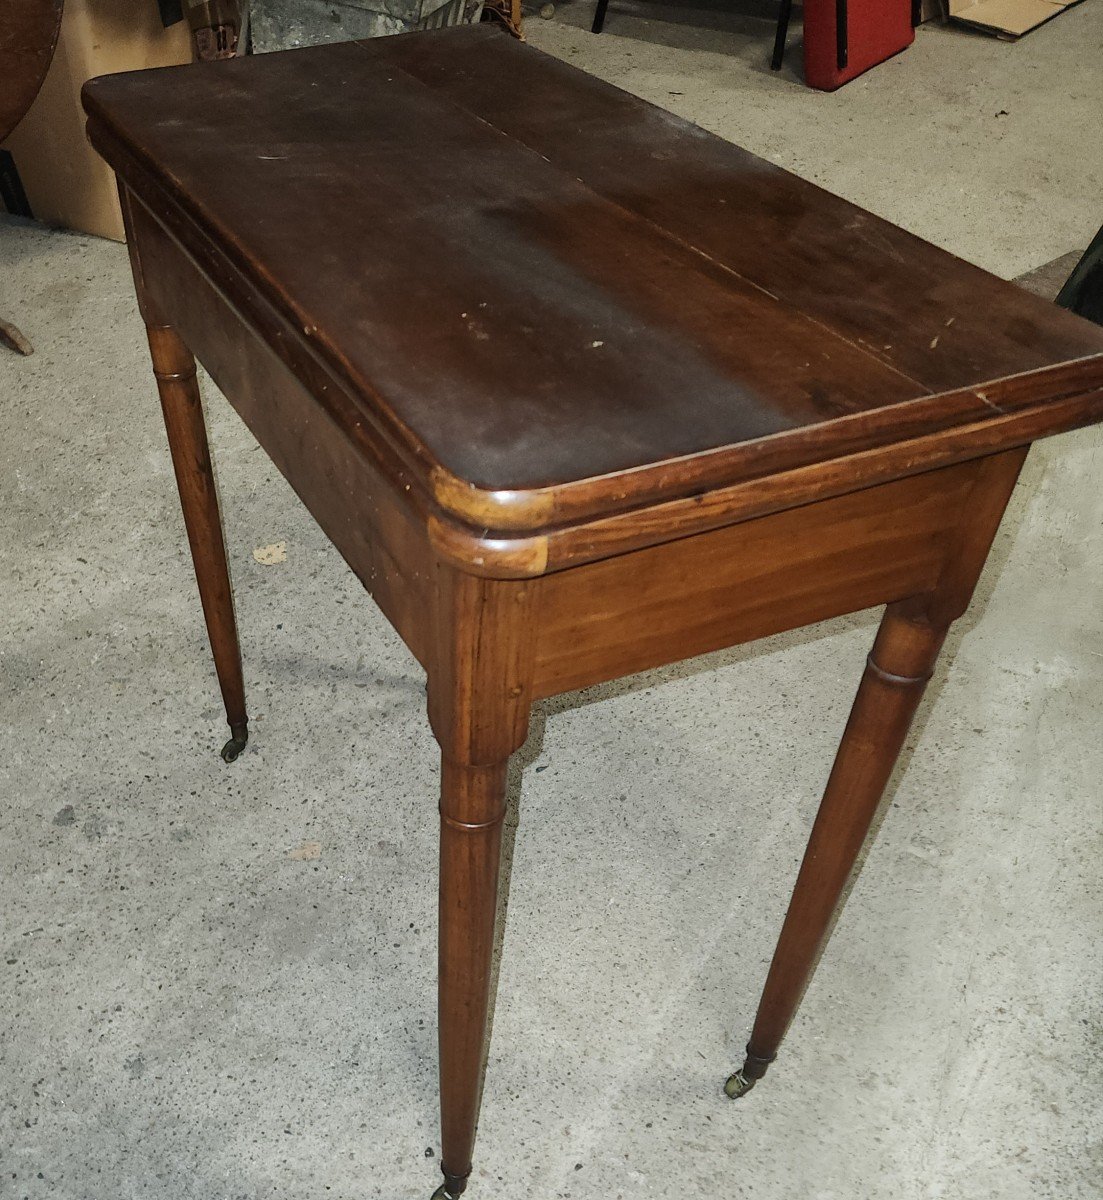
[(28, 35), (576, 390), (174, 370), (560, 318), (899, 666), (469, 861), (480, 694)]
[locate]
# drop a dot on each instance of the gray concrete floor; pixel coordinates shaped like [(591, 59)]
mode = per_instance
[(192, 1010)]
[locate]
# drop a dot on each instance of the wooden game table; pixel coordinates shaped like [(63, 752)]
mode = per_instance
[(576, 389)]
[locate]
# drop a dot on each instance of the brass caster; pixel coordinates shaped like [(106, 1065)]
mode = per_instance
[(240, 735), (753, 1068), (451, 1188), (738, 1085)]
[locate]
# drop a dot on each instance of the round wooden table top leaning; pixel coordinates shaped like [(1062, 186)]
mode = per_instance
[(576, 389), (28, 35)]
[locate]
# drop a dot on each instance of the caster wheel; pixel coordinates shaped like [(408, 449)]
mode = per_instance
[(236, 743), (738, 1085), (451, 1188)]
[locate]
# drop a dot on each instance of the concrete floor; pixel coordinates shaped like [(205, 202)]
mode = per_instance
[(193, 1007)]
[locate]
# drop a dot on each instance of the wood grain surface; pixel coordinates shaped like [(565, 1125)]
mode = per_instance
[(578, 306)]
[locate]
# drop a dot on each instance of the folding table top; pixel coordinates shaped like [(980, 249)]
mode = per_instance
[(537, 286)]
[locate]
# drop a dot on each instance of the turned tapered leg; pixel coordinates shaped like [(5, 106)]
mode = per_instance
[(896, 673), (480, 688), (903, 658), (471, 812), (174, 368)]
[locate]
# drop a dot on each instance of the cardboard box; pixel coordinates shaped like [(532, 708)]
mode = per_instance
[(66, 182), (1007, 18)]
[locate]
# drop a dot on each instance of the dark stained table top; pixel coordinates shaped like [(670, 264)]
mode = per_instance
[(532, 280)]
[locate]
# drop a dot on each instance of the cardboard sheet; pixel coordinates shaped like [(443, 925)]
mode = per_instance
[(1012, 18)]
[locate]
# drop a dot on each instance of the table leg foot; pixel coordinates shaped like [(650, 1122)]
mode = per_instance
[(738, 1085), (239, 736), (452, 1187), (752, 1070)]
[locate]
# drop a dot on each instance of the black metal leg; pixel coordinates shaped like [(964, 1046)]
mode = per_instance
[(782, 29), (1083, 290), (599, 16)]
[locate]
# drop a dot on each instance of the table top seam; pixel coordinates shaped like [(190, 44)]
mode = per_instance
[(668, 234)]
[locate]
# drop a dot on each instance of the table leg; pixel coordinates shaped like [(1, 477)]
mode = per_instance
[(174, 369), (896, 674), (480, 689), (471, 812), (903, 658)]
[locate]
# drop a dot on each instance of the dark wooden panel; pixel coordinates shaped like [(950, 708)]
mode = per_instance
[(939, 320), (702, 593), (522, 328), (349, 497), (28, 35), (553, 320)]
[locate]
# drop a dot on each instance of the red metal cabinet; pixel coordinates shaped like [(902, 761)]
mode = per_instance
[(843, 38)]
